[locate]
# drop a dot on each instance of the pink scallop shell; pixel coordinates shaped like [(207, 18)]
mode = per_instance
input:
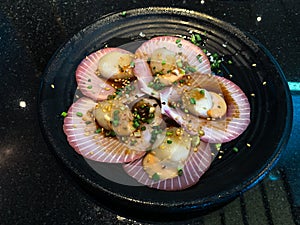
[(191, 51), (196, 165), (85, 141), (219, 131), (88, 82)]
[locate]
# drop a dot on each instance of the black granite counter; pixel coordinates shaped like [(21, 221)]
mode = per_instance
[(34, 186)]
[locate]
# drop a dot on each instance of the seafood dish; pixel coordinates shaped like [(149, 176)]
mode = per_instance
[(160, 111)]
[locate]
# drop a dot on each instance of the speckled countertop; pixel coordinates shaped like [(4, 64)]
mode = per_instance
[(34, 186)]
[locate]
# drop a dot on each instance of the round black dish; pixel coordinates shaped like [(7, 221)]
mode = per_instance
[(252, 68)]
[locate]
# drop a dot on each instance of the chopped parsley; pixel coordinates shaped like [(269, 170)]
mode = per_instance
[(202, 92), (196, 39), (169, 133), (192, 101), (132, 64), (116, 119), (98, 131), (64, 114), (169, 141), (235, 149), (156, 85), (155, 177), (110, 133), (199, 58), (190, 69), (154, 133), (79, 114), (180, 172)]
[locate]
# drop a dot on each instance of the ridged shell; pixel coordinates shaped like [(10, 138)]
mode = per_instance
[(82, 137), (189, 50), (222, 130), (196, 165), (88, 82)]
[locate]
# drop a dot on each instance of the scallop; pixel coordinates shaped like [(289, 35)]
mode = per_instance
[(203, 103), (169, 157), (85, 136), (116, 65), (89, 79), (195, 166), (226, 97), (219, 107), (164, 60), (197, 101)]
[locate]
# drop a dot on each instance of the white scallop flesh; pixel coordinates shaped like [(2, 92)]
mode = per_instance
[(175, 147), (116, 65), (198, 101), (170, 155), (162, 61)]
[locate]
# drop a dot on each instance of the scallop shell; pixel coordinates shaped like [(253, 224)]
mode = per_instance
[(88, 82), (196, 165), (222, 130), (184, 47), (82, 136)]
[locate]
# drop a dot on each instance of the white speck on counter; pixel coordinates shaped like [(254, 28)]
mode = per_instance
[(22, 104), (258, 18)]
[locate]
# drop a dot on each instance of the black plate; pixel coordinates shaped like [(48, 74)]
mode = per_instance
[(253, 69)]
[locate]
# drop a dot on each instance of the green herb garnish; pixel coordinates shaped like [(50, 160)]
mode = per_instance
[(98, 131), (199, 58), (64, 114), (193, 101), (169, 133), (155, 177), (156, 131), (79, 114), (136, 124), (180, 172), (132, 64), (190, 69), (156, 84), (235, 149), (179, 64)]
